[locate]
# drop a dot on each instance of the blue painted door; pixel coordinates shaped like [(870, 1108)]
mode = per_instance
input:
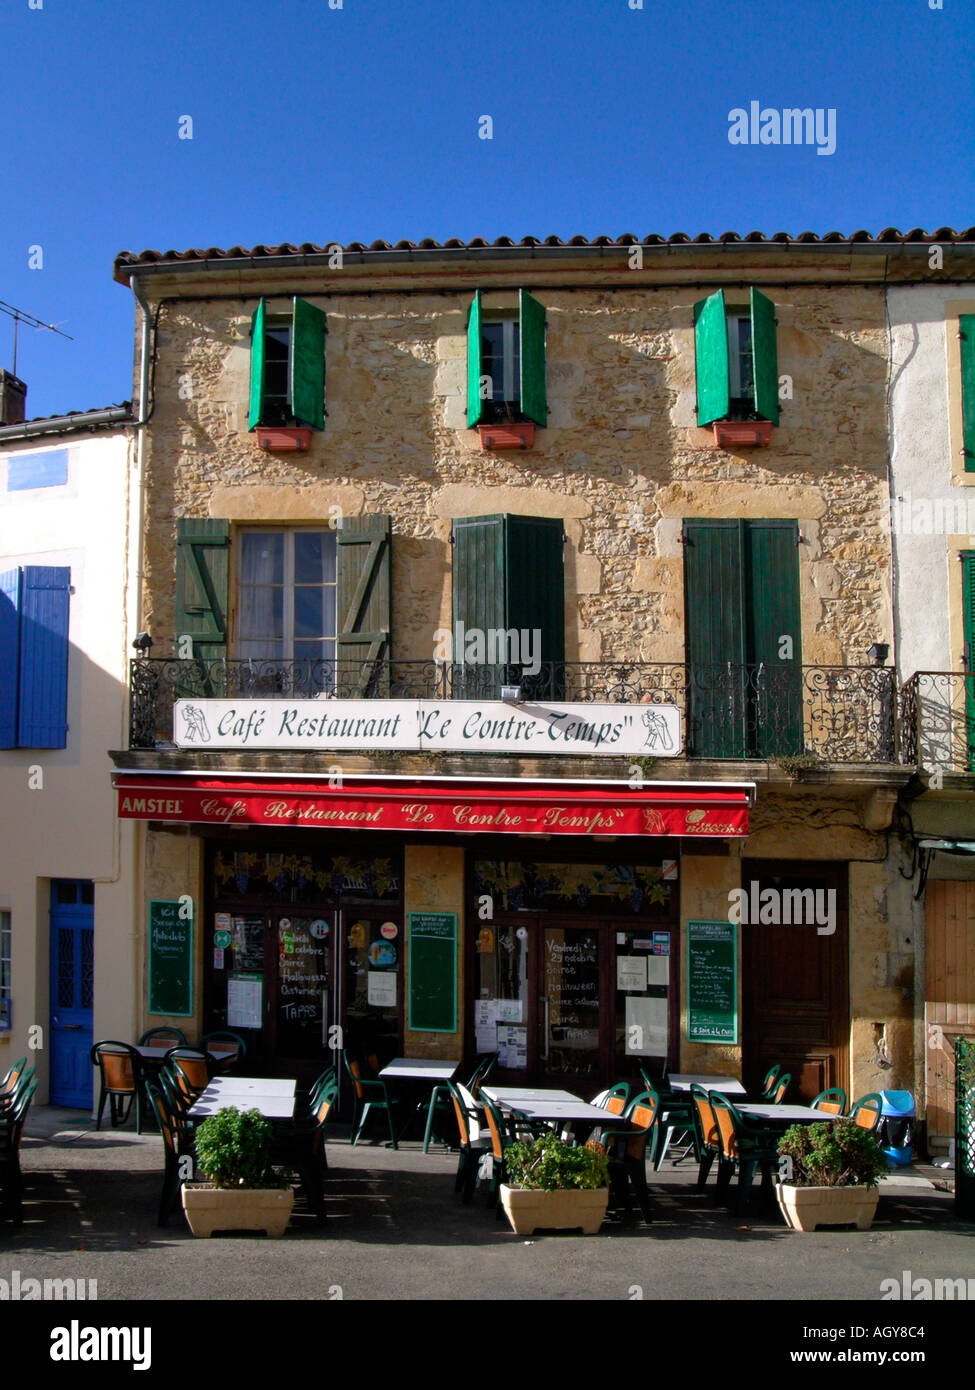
[(72, 990)]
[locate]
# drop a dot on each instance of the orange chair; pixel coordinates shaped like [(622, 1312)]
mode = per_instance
[(120, 1068), (832, 1102), (866, 1111)]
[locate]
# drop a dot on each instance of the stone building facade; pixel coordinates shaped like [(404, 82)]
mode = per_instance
[(731, 564)]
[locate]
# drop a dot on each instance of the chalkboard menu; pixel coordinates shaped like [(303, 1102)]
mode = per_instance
[(433, 972), (302, 987), (170, 960), (712, 982)]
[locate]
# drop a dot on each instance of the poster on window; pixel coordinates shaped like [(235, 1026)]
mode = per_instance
[(646, 1027), (245, 998), (512, 1046), (381, 989)]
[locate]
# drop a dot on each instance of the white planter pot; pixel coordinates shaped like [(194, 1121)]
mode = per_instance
[(530, 1210), (805, 1208), (210, 1208)]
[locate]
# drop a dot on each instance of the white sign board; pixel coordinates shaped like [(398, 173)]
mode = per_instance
[(447, 726)]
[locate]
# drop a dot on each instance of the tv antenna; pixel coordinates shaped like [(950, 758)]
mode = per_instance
[(20, 316)]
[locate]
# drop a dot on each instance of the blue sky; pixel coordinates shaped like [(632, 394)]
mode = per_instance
[(319, 124)]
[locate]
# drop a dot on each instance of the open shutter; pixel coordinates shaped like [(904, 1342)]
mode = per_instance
[(765, 358), (711, 358), (536, 594), (968, 618), (714, 588), (43, 695), (475, 405), (772, 579), (9, 655), (531, 316), (966, 327), (479, 602), (365, 596), (203, 584), (257, 366), (308, 330)]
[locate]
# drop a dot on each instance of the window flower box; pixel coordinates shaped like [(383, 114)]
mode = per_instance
[(742, 433), (278, 440), (509, 435)]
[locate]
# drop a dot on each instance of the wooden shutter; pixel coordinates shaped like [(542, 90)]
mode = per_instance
[(364, 603), (203, 584), (308, 329), (257, 366), (966, 330), (536, 581), (475, 405), (478, 574), (765, 359), (711, 358), (714, 602), (43, 694), (968, 619), (772, 600), (9, 655), (531, 317)]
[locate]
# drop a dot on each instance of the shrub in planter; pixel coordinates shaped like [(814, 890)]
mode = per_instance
[(555, 1186), (233, 1150), (830, 1175)]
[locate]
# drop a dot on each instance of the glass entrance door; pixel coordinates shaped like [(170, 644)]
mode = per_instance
[(573, 1043)]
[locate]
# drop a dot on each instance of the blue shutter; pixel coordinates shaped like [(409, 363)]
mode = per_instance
[(9, 656), (43, 721)]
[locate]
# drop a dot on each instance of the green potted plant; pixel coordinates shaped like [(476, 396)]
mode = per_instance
[(243, 1192), (553, 1185), (828, 1175)]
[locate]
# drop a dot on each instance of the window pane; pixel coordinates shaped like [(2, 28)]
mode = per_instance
[(261, 650), (330, 550), (314, 651), (308, 557), (261, 557), (261, 613), (308, 612)]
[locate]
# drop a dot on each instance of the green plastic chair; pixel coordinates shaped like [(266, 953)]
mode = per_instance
[(706, 1133), (177, 1145), (372, 1094), (770, 1078), (120, 1070), (779, 1088), (11, 1130), (832, 1102), (20, 1078), (742, 1147), (9, 1082), (675, 1117), (471, 1149), (627, 1153), (163, 1037), (231, 1048), (866, 1111)]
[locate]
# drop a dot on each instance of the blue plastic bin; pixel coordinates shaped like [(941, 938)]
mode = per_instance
[(896, 1128)]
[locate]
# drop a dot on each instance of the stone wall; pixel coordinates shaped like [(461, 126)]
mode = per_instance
[(622, 460)]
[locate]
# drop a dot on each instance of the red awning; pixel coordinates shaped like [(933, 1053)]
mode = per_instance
[(450, 806)]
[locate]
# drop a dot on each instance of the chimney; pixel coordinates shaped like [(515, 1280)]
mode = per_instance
[(13, 395)]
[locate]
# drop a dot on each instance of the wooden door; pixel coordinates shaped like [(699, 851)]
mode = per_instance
[(949, 1006), (796, 980)]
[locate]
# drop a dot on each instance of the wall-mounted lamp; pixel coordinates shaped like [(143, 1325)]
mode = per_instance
[(878, 653), (142, 643), (511, 694)]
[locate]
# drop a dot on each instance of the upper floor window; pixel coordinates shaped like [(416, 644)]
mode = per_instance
[(34, 614), (506, 364), (287, 595), (288, 367), (736, 360)]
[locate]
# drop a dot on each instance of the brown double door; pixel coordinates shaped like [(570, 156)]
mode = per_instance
[(573, 1002), (796, 978)]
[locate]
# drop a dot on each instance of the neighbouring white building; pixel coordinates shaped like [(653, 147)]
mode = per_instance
[(69, 537), (932, 448)]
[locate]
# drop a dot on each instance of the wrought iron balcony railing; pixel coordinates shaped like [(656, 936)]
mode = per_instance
[(938, 721), (828, 713)]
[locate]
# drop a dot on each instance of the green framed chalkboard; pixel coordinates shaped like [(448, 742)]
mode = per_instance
[(433, 972), (712, 982), (170, 959)]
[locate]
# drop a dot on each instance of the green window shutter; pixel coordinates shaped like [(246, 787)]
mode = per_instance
[(365, 602), (531, 316), (203, 584), (475, 405), (773, 613), (714, 627), (478, 574), (966, 328), (308, 329), (968, 606), (765, 358), (711, 358), (257, 366), (536, 581)]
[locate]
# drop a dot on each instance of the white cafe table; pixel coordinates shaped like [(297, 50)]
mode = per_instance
[(552, 1107), (254, 1085), (419, 1069), (784, 1114), (727, 1085), (510, 1095), (217, 1096)]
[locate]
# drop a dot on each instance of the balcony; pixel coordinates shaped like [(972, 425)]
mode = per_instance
[(938, 721), (829, 714)]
